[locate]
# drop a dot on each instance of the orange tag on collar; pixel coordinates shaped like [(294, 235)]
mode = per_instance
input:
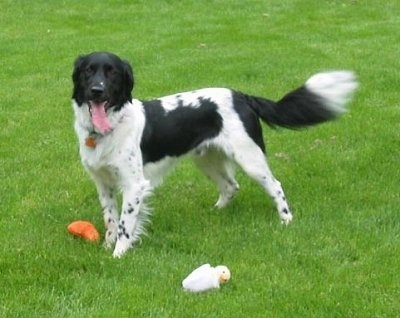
[(90, 142)]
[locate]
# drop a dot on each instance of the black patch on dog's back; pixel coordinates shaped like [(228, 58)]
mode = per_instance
[(175, 132)]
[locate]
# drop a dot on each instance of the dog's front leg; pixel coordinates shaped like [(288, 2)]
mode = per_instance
[(133, 215), (108, 201)]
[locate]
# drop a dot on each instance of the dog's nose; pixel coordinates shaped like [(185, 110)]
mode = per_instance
[(97, 89)]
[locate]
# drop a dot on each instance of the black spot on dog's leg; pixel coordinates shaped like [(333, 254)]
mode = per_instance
[(130, 209)]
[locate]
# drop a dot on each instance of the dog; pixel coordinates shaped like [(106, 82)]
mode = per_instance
[(128, 145)]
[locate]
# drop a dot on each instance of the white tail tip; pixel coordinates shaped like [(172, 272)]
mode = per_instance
[(336, 88)]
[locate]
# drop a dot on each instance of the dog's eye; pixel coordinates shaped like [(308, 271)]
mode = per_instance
[(111, 71), (89, 70)]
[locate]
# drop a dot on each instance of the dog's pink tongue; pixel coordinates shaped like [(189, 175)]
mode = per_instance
[(99, 117)]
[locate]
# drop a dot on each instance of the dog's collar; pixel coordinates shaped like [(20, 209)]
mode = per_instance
[(91, 139)]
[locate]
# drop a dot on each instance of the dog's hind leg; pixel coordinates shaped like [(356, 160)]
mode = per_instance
[(219, 168), (252, 160)]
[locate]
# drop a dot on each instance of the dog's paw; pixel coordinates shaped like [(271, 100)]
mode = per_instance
[(222, 202), (120, 248), (226, 196), (286, 217)]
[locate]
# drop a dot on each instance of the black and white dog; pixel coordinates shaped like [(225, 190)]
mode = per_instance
[(128, 145)]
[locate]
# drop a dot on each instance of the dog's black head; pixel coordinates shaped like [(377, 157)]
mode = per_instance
[(102, 77)]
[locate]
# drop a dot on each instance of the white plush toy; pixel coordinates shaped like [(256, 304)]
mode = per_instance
[(206, 277)]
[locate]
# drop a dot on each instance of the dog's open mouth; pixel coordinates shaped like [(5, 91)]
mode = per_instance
[(98, 111)]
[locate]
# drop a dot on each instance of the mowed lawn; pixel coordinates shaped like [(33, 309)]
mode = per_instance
[(340, 257)]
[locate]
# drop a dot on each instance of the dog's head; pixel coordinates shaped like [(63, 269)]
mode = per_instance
[(102, 78)]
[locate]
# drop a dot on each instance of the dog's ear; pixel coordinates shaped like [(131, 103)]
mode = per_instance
[(76, 78), (128, 79), (77, 68)]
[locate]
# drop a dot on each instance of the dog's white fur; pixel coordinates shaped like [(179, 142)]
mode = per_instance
[(116, 161)]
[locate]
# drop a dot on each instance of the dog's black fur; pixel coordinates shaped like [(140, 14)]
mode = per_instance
[(176, 132)]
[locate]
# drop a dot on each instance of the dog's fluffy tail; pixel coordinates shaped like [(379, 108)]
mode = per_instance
[(323, 97)]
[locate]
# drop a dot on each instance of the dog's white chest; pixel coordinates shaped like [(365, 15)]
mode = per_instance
[(99, 154), (114, 147)]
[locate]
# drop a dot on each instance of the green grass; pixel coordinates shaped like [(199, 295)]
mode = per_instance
[(339, 257)]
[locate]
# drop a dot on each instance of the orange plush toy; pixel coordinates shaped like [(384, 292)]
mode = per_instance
[(85, 230)]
